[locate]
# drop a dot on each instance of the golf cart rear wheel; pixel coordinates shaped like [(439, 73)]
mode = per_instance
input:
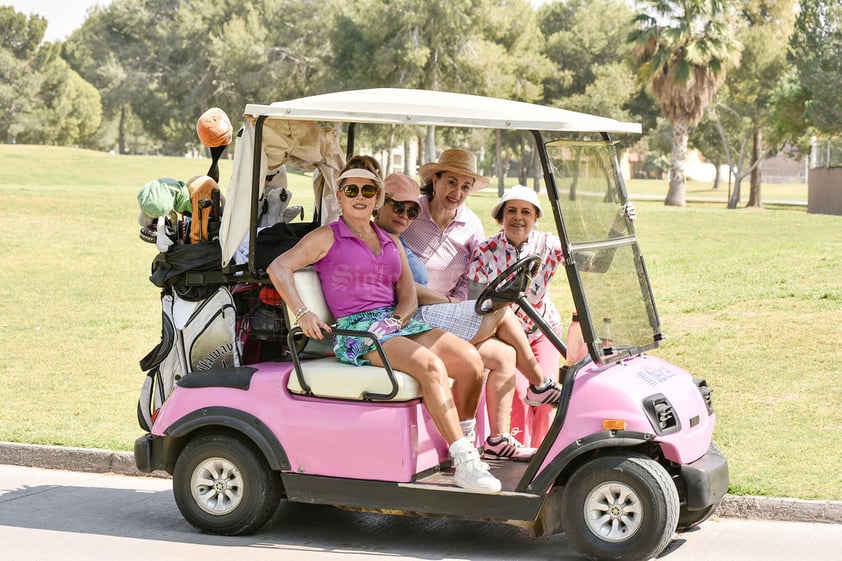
[(620, 507), (222, 485)]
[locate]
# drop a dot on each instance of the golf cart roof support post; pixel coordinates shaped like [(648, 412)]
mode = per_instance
[(349, 148), (257, 158)]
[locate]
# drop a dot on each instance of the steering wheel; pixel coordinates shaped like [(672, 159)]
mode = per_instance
[(509, 285)]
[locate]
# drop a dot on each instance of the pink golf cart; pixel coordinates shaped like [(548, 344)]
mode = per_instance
[(245, 412)]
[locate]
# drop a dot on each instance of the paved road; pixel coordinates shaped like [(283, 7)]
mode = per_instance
[(52, 515)]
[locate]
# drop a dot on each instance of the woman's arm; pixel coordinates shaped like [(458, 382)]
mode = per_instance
[(406, 298), (311, 248), (427, 296)]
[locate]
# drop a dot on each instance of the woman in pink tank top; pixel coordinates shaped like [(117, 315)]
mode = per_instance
[(368, 285)]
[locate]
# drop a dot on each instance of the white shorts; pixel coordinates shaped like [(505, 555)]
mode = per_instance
[(458, 318)]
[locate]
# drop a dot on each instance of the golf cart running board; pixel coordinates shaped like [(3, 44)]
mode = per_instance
[(434, 495)]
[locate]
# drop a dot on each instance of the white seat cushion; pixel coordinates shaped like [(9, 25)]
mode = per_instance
[(327, 377), (309, 288)]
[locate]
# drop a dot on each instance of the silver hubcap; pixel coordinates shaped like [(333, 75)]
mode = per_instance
[(217, 486), (613, 511)]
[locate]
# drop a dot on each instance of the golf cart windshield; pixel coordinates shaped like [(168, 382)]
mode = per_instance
[(607, 275)]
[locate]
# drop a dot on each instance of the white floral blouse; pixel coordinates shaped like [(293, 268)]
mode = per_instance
[(492, 256)]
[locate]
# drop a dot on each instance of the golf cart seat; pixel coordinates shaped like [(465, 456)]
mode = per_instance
[(329, 378)]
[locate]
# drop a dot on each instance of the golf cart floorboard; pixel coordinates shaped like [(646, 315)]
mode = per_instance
[(508, 472)]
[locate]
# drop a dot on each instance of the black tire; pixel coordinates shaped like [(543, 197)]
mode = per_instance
[(622, 508), (690, 518), (222, 485)]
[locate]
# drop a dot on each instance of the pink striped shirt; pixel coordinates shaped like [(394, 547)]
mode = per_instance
[(445, 252)]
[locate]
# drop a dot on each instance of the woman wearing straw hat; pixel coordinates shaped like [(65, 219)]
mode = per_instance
[(443, 237)]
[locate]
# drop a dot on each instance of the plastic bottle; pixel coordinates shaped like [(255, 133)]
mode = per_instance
[(577, 349), (606, 336)]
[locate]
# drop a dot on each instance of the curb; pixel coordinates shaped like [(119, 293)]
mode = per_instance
[(93, 460), (97, 460)]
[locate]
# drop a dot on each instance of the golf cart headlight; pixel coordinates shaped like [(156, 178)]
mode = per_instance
[(706, 392), (661, 414)]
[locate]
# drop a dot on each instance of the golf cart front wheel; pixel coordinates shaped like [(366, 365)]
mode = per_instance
[(620, 507), (222, 485)]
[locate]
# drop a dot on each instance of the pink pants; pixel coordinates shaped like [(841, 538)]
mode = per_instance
[(530, 424)]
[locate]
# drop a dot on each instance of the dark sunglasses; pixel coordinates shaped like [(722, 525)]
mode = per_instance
[(412, 211), (352, 190)]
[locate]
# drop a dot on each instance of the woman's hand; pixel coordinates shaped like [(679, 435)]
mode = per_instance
[(313, 326), (385, 327)]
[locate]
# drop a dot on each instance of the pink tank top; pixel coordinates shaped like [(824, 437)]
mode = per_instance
[(353, 278)]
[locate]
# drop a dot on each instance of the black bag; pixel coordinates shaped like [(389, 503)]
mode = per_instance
[(170, 268), (277, 239)]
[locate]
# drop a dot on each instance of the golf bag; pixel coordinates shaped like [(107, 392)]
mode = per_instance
[(195, 336)]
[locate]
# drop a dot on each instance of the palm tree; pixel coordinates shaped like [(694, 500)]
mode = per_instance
[(683, 48)]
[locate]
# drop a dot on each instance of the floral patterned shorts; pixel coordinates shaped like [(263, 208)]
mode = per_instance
[(350, 349)]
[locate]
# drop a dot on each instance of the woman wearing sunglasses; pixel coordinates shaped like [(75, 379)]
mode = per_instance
[(367, 285), (498, 335)]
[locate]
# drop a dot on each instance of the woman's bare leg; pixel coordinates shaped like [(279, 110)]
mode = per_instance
[(419, 362), (499, 359), (410, 356), (510, 331), (463, 363)]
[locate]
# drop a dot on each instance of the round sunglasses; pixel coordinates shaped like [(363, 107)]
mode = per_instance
[(351, 190), (412, 210)]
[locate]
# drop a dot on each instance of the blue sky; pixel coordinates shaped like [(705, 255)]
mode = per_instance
[(63, 16)]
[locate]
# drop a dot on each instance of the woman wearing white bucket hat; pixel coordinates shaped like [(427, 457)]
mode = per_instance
[(517, 212)]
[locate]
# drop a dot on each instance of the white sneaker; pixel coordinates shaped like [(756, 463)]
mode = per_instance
[(472, 473)]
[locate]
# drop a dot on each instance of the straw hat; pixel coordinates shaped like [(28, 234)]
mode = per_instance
[(517, 193), (457, 161)]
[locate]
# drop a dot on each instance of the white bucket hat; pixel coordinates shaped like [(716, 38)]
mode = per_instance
[(517, 193)]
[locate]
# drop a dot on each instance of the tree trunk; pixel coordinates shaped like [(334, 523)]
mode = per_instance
[(121, 131), (498, 162), (420, 158), (756, 171), (677, 194), (574, 181), (430, 145), (408, 167), (717, 179), (735, 194), (537, 171)]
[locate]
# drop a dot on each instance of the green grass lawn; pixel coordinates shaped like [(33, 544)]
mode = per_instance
[(750, 300), (704, 192)]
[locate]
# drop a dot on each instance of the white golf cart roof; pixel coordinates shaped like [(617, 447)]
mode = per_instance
[(395, 106), (291, 133)]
